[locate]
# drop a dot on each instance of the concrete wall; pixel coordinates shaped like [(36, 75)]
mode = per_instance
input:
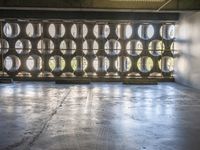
[(187, 64)]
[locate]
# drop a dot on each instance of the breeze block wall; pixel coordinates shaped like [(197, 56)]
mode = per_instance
[(86, 48)]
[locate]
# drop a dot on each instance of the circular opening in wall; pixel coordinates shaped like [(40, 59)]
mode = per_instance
[(106, 31), (146, 31), (129, 31), (30, 63), (34, 29), (74, 30), (79, 30), (167, 31), (56, 30), (11, 30), (175, 48), (96, 31), (124, 31), (145, 64), (134, 47), (4, 46), (123, 64), (112, 47), (12, 63), (85, 30), (101, 63), (79, 63), (23, 46), (101, 30), (45, 46), (156, 47), (119, 31), (68, 47), (166, 64), (34, 63), (56, 63), (90, 46)]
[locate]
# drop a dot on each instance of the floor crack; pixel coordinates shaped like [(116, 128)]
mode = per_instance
[(35, 137)]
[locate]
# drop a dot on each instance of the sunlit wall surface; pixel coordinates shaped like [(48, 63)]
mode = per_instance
[(187, 70), (66, 48)]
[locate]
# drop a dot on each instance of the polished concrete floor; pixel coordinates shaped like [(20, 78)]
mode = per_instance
[(99, 116)]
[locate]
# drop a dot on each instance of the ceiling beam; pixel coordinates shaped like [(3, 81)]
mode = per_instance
[(133, 5), (87, 15)]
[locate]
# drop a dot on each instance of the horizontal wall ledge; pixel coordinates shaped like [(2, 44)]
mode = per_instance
[(99, 79)]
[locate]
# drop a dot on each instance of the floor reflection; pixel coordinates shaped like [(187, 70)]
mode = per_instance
[(99, 116)]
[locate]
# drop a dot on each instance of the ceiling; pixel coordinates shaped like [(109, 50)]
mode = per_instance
[(131, 5)]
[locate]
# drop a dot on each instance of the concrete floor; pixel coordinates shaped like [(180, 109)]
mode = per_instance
[(100, 116)]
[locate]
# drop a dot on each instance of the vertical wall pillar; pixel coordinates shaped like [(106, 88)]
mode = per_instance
[(122, 55), (101, 39), (112, 55), (79, 52)]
